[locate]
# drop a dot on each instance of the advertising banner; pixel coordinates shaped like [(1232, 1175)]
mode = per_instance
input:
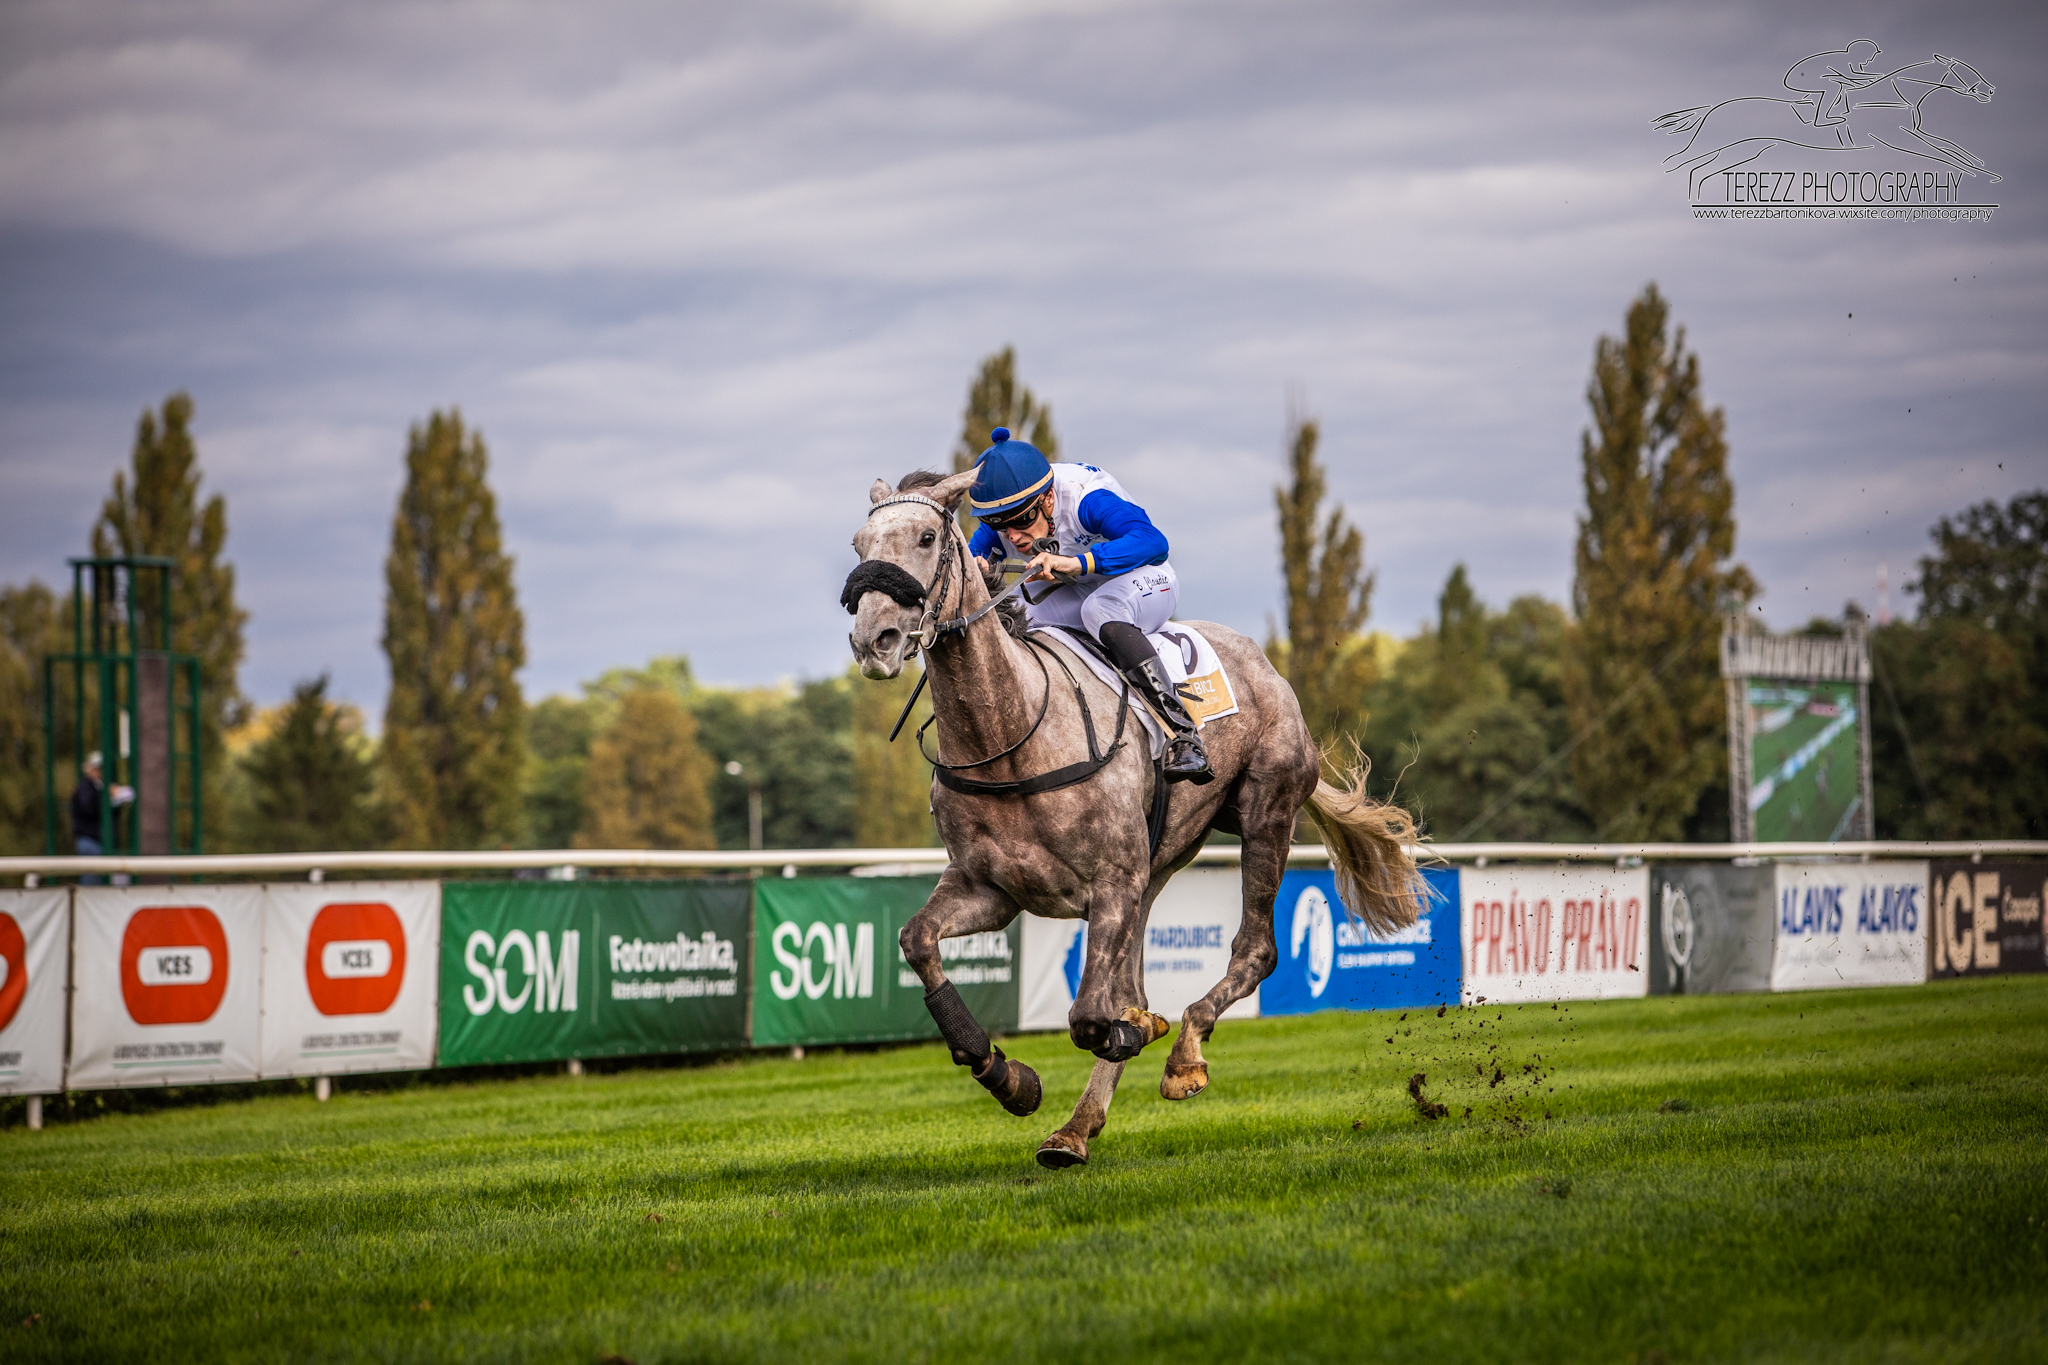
[(1850, 924), (1330, 961), (1715, 928), (533, 971), (1987, 918), (349, 976), (35, 943), (166, 985), (828, 968), (1187, 951), (1554, 933)]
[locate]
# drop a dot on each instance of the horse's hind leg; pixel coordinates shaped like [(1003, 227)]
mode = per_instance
[(958, 907), (1266, 815), (1068, 1146)]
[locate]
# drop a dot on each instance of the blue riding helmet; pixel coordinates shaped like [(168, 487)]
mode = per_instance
[(1010, 475)]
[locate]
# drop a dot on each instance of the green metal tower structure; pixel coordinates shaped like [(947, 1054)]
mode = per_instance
[(126, 700)]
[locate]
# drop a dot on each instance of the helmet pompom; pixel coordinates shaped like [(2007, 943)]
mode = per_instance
[(998, 436)]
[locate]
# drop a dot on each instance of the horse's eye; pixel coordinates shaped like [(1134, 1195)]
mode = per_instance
[(927, 538)]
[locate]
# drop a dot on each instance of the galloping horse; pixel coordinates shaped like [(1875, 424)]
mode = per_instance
[(1071, 847)]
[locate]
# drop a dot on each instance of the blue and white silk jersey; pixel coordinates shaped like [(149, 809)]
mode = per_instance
[(1094, 522)]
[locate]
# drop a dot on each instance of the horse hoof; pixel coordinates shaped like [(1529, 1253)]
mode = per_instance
[(1025, 1091), (1062, 1150), (1184, 1082), (1156, 1026)]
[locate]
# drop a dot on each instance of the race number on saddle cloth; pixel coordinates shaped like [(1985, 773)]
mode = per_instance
[(1192, 666), (1073, 525)]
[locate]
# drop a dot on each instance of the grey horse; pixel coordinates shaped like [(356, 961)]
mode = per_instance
[(1082, 851)]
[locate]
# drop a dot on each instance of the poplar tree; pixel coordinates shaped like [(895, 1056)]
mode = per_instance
[(31, 626), (454, 721), (1329, 596), (892, 782), (996, 399), (155, 509), (310, 779), (1653, 580), (647, 785)]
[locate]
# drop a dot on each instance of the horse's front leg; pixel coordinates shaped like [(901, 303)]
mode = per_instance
[(1137, 1026), (958, 907), (1109, 1017)]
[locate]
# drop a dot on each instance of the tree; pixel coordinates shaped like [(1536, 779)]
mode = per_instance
[(310, 779), (892, 782), (1959, 730), (454, 721), (1470, 719), (31, 626), (1652, 582), (796, 745), (647, 782), (996, 399), (155, 510), (559, 733), (1329, 595)]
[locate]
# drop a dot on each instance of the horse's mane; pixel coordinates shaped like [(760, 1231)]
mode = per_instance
[(918, 478)]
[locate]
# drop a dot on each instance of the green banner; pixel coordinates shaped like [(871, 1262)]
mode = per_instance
[(827, 968), (537, 970)]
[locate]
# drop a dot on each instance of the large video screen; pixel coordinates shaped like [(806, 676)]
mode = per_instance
[(1805, 761)]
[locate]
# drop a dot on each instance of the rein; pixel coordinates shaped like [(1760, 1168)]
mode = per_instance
[(931, 631)]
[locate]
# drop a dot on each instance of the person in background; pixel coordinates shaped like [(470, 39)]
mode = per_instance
[(85, 810)]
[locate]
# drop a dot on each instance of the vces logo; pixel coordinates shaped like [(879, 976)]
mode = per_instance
[(174, 965), (355, 959), (13, 969)]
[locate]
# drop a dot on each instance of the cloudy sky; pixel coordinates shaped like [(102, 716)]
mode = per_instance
[(699, 273)]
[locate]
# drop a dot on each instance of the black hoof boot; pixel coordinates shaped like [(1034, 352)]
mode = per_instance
[(1015, 1085), (1125, 1041)]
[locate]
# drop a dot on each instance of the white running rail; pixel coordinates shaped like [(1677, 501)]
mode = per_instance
[(677, 860)]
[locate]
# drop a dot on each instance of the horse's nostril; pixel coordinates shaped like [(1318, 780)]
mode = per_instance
[(888, 639)]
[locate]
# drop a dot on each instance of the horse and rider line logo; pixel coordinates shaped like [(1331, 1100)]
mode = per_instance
[(1846, 103)]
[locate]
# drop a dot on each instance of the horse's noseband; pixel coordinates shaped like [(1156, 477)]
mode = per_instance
[(879, 575)]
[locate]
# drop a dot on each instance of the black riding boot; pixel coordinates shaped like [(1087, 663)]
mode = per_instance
[(1186, 760)]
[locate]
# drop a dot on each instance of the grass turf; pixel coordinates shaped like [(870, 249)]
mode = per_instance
[(1854, 1176)]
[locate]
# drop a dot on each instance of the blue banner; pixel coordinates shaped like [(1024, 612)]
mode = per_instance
[(1329, 961)]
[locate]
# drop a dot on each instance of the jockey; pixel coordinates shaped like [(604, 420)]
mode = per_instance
[(1073, 520)]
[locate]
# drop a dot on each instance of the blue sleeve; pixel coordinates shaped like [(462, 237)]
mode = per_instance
[(986, 539), (1132, 538)]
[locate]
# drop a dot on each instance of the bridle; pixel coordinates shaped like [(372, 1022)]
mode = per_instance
[(931, 631)]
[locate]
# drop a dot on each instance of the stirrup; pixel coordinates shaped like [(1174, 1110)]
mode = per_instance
[(1187, 760)]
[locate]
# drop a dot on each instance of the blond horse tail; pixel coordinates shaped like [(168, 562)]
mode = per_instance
[(1368, 841)]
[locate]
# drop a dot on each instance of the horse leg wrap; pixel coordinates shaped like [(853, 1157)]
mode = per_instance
[(958, 1026), (1015, 1085), (1125, 1041)]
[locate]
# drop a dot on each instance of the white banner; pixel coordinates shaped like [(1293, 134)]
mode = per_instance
[(166, 985), (349, 976), (1187, 951), (1554, 933), (1850, 924), (35, 934)]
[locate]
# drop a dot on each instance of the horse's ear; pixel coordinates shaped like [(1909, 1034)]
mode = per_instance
[(878, 490), (947, 492)]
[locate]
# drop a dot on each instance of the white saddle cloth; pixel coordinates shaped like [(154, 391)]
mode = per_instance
[(1191, 664)]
